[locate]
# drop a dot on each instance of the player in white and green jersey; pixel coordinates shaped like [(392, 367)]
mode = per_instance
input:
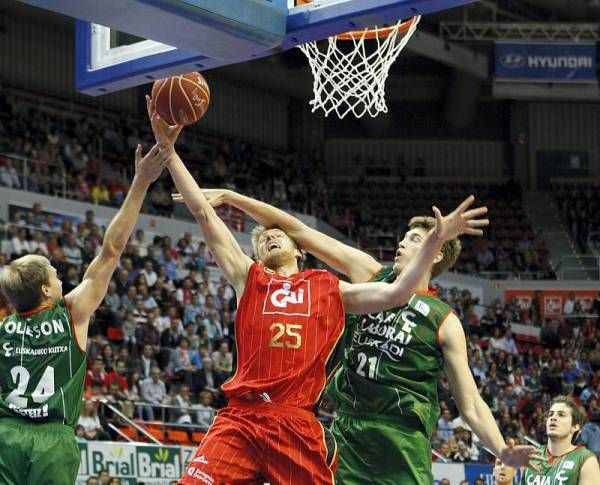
[(386, 385), (42, 348), (565, 463)]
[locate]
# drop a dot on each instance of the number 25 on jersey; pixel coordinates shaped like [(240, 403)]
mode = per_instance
[(285, 335)]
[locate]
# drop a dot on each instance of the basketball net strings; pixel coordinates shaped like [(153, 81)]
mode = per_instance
[(354, 81)]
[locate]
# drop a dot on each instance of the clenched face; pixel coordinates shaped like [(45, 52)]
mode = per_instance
[(276, 248)]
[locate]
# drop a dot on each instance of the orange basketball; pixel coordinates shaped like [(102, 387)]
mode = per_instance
[(181, 100)]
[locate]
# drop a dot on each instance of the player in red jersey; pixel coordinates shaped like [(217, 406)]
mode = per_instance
[(288, 326)]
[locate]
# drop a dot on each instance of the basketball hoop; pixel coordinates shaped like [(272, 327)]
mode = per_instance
[(350, 73)]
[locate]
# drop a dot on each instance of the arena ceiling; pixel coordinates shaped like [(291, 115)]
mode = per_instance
[(415, 76)]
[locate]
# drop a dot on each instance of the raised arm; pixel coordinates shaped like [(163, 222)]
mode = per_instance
[(87, 296), (226, 250), (354, 263), (374, 297), (472, 407)]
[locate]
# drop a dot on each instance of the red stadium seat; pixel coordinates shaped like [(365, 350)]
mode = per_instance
[(159, 434), (178, 437), (130, 432)]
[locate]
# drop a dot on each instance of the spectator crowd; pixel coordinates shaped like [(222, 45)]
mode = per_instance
[(162, 342), (518, 378), (71, 154)]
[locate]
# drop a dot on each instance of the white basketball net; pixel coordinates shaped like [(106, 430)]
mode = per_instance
[(354, 81)]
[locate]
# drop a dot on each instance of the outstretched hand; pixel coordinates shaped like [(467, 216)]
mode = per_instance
[(150, 166), (215, 197), (521, 456), (460, 221), (163, 132)]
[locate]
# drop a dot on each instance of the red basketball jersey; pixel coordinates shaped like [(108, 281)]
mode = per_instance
[(286, 329)]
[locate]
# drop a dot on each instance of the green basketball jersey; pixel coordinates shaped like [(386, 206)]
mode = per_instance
[(392, 362), (42, 369), (558, 470)]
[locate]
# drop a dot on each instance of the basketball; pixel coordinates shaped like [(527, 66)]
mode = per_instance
[(181, 100)]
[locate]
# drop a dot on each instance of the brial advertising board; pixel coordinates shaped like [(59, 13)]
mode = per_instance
[(137, 464), (134, 463)]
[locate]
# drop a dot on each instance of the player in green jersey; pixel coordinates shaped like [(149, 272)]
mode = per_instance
[(42, 348), (566, 463), (386, 388)]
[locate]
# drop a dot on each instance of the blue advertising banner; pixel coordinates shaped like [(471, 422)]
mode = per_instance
[(485, 473), (539, 62), (455, 473)]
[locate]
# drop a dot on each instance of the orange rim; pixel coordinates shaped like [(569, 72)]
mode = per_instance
[(382, 33), (370, 34)]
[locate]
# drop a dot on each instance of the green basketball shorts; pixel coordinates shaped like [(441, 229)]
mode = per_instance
[(376, 452), (37, 453)]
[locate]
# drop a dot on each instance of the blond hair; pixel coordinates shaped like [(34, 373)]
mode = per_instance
[(450, 250), (255, 236), (22, 280)]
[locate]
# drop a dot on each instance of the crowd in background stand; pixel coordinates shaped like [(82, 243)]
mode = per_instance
[(86, 159), (94, 156), (518, 380), (164, 333), (579, 206)]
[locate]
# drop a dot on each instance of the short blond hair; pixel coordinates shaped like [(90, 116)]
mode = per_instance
[(22, 280), (255, 236), (450, 250)]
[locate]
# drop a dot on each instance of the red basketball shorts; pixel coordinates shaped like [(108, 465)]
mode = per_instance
[(256, 442)]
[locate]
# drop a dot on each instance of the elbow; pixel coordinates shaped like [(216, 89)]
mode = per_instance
[(469, 409), (112, 249)]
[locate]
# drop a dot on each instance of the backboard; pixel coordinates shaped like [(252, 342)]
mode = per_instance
[(177, 36)]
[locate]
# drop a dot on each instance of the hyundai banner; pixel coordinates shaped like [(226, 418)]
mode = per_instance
[(541, 62)]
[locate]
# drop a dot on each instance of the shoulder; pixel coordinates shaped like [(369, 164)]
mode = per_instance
[(450, 334), (320, 276), (585, 452), (431, 307), (590, 469)]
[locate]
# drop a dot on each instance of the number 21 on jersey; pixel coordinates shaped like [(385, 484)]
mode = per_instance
[(367, 366)]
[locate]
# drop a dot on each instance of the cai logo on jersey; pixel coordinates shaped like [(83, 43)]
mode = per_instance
[(287, 298), (559, 478)]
